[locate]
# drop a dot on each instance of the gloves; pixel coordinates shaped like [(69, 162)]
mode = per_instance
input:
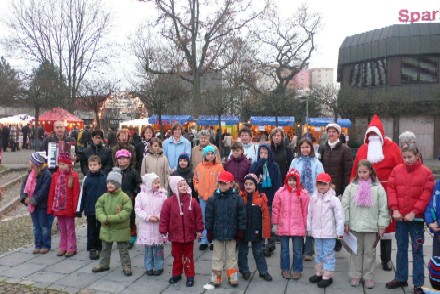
[(274, 228), (209, 236), (78, 214), (239, 235), (340, 237)]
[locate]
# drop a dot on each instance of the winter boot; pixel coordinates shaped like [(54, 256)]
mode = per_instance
[(232, 275), (327, 280), (216, 278), (318, 274)]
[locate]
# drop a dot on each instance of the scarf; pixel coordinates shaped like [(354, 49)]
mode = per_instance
[(30, 188), (363, 196), (266, 183), (60, 197), (306, 174), (332, 145)]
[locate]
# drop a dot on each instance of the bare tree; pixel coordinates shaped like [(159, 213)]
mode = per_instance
[(67, 33), (199, 32), (328, 96), (9, 82)]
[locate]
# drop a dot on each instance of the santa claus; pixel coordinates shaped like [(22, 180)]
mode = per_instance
[(384, 154)]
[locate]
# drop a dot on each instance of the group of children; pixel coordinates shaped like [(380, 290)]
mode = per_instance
[(230, 215)]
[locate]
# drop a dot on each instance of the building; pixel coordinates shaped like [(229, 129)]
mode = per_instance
[(394, 72), (312, 77)]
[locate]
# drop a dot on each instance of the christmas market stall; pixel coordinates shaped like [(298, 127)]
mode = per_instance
[(135, 123), (168, 119), (18, 119), (229, 123), (47, 119), (263, 125), (317, 126)]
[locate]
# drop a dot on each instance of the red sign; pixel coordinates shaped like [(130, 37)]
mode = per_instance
[(416, 16)]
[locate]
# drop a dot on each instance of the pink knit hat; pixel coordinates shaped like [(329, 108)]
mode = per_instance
[(123, 153)]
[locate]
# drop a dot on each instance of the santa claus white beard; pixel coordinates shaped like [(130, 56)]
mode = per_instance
[(375, 152)]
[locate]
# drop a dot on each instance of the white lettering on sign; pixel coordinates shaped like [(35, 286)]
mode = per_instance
[(416, 16)]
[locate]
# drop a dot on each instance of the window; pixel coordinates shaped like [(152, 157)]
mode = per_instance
[(369, 73), (419, 69)]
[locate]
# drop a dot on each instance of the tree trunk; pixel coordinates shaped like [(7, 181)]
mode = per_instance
[(37, 114), (276, 121), (98, 124), (196, 99), (162, 135)]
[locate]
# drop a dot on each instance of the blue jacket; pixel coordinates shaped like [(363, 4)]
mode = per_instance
[(274, 173), (93, 187), (39, 199), (225, 214), (316, 166), (432, 212), (173, 150)]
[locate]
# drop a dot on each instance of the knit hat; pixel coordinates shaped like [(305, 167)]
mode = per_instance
[(37, 159), (183, 156), (123, 153), (334, 126), (253, 178), (225, 176), (65, 158), (324, 177), (434, 272), (208, 149), (148, 180), (293, 173), (115, 177), (174, 184)]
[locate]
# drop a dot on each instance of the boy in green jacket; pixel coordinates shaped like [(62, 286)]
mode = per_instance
[(113, 211)]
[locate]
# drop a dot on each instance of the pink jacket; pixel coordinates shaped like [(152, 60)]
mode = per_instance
[(325, 218), (289, 212), (149, 204)]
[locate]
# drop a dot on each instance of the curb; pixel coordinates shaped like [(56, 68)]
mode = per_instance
[(13, 182), (9, 206)]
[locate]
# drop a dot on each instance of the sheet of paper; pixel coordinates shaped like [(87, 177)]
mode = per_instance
[(350, 241)]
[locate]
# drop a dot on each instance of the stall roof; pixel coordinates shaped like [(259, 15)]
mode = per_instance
[(17, 119), (59, 114), (211, 120), (169, 119), (270, 120), (323, 121)]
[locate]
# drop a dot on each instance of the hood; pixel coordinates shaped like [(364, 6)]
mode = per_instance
[(267, 146), (173, 181), (293, 173), (148, 180), (185, 170), (375, 126), (159, 152)]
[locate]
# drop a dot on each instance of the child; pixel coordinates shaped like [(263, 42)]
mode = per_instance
[(432, 215), (62, 202), (33, 193), (113, 211), (367, 216), (238, 164), (410, 188), (225, 223), (148, 206), (325, 223), (270, 181), (205, 183), (94, 186), (257, 228), (131, 182), (181, 219), (289, 218), (156, 162), (185, 170), (309, 168)]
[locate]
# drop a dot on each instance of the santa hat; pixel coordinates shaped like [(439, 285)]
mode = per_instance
[(375, 126), (293, 173)]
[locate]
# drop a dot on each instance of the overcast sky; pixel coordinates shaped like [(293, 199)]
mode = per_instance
[(341, 18)]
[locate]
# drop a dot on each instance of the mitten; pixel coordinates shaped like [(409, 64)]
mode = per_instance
[(78, 214), (274, 228), (209, 236)]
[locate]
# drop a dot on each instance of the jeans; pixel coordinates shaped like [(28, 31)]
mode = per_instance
[(153, 259), (297, 263), (309, 247), (257, 251), (202, 203), (66, 226), (42, 223), (93, 228), (416, 231), (325, 253)]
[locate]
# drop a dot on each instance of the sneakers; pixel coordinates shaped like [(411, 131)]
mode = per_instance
[(308, 258), (150, 273), (232, 276), (157, 273), (216, 278), (174, 279), (296, 275), (315, 279), (246, 275), (36, 251), (387, 266), (189, 281), (93, 254), (203, 246), (355, 282), (394, 284), (286, 275), (418, 290), (99, 269), (369, 284), (266, 276), (127, 271)]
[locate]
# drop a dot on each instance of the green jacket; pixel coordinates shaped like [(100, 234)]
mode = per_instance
[(116, 208), (366, 219)]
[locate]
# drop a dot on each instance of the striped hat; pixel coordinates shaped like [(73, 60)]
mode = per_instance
[(37, 159), (434, 272)]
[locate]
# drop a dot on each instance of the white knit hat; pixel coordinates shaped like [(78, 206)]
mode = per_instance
[(148, 180), (334, 126)]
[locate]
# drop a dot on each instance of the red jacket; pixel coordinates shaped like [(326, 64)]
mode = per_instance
[(72, 195), (410, 188), (181, 228)]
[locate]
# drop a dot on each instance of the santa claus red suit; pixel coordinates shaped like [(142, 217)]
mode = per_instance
[(384, 154)]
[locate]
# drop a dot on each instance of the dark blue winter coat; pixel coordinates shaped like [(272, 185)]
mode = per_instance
[(274, 173), (93, 187), (432, 212), (39, 199), (225, 213)]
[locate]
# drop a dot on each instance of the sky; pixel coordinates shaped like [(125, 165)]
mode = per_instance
[(341, 18)]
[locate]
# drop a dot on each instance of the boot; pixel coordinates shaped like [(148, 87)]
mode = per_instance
[(327, 280), (216, 278), (232, 275), (318, 274)]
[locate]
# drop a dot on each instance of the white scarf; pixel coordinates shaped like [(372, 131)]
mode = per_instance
[(333, 145), (375, 152)]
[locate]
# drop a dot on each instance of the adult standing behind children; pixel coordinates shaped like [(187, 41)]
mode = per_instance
[(156, 162), (142, 147), (282, 154), (123, 138), (249, 148), (175, 145), (59, 136), (97, 148), (197, 151)]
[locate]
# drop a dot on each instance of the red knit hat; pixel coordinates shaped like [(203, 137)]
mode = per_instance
[(293, 173), (226, 177), (65, 158), (324, 177)]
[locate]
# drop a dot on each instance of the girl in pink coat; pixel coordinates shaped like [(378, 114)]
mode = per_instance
[(147, 207), (289, 217)]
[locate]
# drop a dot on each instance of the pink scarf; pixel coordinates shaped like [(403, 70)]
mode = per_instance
[(363, 196), (60, 197), (29, 189)]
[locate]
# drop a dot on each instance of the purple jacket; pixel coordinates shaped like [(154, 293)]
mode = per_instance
[(239, 168)]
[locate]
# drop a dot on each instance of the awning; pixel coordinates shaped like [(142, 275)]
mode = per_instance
[(169, 119), (323, 121), (211, 120), (18, 119), (135, 122), (270, 120)]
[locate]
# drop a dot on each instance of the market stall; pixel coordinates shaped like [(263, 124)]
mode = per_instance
[(135, 123), (317, 125), (169, 119), (47, 119), (230, 123), (18, 119), (263, 125)]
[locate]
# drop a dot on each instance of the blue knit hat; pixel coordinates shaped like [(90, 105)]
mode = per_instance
[(37, 159), (183, 156), (208, 149)]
